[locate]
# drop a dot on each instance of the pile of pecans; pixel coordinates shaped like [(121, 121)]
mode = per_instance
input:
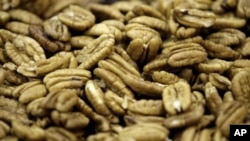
[(135, 70)]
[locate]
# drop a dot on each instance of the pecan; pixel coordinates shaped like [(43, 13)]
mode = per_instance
[(230, 113), (4, 129), (59, 134), (213, 100), (29, 91), (214, 66), (17, 27), (6, 5), (25, 16), (192, 116), (177, 97), (97, 50), (55, 29), (114, 82), (240, 87), (96, 97), (185, 54), (66, 78), (228, 20), (103, 12), (243, 9), (147, 107), (101, 28), (228, 37), (37, 32), (76, 17), (62, 100), (142, 132), (191, 133), (194, 17), (26, 132), (115, 103), (71, 120), (165, 77), (145, 42), (4, 18)]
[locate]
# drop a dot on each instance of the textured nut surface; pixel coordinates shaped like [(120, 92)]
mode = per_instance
[(111, 70), (185, 54), (102, 28), (114, 82), (60, 60), (185, 119), (227, 37), (240, 87), (177, 97), (6, 5), (66, 78), (24, 49), (147, 107), (228, 20), (56, 30), (142, 132), (244, 48), (74, 120), (25, 16), (145, 42), (194, 17), (243, 9), (219, 50), (29, 91), (96, 96), (77, 18), (17, 27), (97, 50), (152, 22), (141, 119), (58, 133), (164, 77), (62, 100), (103, 12), (26, 132), (115, 103), (141, 86), (214, 66), (4, 129), (191, 134), (230, 113), (37, 32), (220, 81), (213, 100)]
